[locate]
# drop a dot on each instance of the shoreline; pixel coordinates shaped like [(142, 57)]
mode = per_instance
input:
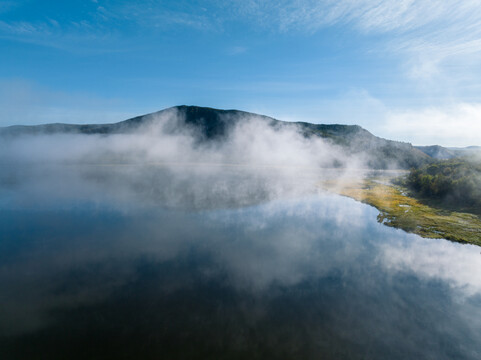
[(399, 210)]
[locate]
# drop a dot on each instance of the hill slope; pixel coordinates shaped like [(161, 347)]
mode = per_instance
[(214, 125)]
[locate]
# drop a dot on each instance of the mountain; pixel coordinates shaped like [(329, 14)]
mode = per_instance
[(447, 153), (215, 125), (438, 152)]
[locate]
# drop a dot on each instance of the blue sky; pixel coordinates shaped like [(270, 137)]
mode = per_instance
[(406, 70)]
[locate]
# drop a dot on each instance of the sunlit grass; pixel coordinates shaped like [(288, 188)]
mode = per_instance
[(404, 212)]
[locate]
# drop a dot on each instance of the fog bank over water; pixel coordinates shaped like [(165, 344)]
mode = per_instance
[(156, 244), (166, 137), (168, 162)]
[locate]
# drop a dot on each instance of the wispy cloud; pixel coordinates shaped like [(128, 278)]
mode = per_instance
[(377, 16), (236, 50), (108, 23), (72, 36), (155, 15), (23, 28), (424, 29)]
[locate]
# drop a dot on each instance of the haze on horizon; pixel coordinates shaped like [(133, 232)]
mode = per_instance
[(404, 70)]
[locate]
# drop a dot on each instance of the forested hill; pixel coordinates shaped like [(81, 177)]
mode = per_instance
[(215, 125), (455, 183)]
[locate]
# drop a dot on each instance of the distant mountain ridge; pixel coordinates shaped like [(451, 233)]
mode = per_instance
[(447, 153), (214, 125), (438, 152)]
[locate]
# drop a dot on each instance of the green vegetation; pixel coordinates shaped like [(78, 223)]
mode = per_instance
[(452, 184), (399, 210)]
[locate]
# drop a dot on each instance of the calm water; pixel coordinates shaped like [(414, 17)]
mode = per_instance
[(167, 263)]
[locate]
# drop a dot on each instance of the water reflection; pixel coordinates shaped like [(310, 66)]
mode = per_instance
[(261, 267)]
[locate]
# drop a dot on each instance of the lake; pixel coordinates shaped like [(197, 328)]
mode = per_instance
[(183, 262)]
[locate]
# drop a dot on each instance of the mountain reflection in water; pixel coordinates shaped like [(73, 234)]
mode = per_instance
[(154, 262)]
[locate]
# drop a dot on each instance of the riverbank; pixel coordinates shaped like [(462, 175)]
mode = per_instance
[(397, 209)]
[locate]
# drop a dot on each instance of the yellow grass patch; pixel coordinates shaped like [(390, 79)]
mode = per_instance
[(404, 212)]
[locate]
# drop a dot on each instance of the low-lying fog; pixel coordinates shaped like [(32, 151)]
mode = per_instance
[(154, 245)]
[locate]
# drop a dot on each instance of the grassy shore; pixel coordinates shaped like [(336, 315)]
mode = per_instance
[(399, 210)]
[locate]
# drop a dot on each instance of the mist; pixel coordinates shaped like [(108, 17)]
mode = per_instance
[(162, 238), (170, 163), (165, 138)]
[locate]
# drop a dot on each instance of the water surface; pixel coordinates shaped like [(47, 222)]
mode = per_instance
[(155, 262)]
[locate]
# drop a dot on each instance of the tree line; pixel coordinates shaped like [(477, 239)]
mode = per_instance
[(454, 182)]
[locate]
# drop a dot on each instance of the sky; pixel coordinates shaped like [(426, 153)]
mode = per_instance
[(403, 69)]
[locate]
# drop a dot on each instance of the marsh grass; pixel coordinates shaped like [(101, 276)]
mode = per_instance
[(397, 209)]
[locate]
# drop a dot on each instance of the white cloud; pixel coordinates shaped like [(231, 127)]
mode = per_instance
[(452, 125)]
